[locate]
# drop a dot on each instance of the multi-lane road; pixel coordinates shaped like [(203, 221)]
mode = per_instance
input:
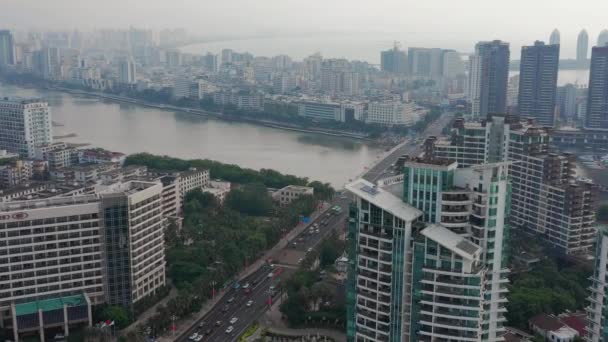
[(411, 148), (244, 307), (248, 305)]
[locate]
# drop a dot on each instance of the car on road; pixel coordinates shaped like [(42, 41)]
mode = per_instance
[(218, 323), (230, 300), (270, 275), (246, 286), (199, 338), (309, 250), (230, 329), (248, 290), (249, 303), (233, 320), (317, 231), (201, 324), (300, 260), (193, 336), (225, 308), (208, 331)]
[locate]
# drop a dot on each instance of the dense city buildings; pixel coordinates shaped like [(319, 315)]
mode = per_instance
[(427, 254), (538, 82), (582, 47), (24, 125), (554, 39), (393, 61), (7, 48), (597, 104), (488, 78), (546, 199)]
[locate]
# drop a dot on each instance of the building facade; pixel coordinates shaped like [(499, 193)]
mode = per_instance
[(538, 82), (290, 193), (7, 48), (597, 318), (108, 245), (24, 125), (546, 199), (582, 46), (597, 103), (393, 61), (426, 255), (488, 78), (554, 39)]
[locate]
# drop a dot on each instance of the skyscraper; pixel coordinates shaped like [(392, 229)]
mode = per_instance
[(582, 46), (488, 78), (566, 101), (597, 319), (538, 82), (426, 255), (602, 38), (24, 125), (555, 37), (7, 48), (425, 62), (393, 61), (127, 71), (597, 98)]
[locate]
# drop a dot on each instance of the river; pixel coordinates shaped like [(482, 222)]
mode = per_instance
[(132, 128)]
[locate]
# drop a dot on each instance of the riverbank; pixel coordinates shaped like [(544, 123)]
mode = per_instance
[(209, 114)]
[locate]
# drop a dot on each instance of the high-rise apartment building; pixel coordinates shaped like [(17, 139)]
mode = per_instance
[(567, 101), (597, 317), (582, 46), (546, 199), (107, 246), (488, 78), (210, 62), (338, 78), (7, 48), (127, 71), (47, 63), (554, 39), (538, 82), (427, 255), (24, 125), (597, 97), (602, 38), (453, 65), (393, 61), (425, 62)]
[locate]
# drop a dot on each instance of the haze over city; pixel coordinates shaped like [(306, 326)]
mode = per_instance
[(432, 23), (321, 170)]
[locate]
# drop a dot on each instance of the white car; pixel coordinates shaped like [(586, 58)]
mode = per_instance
[(230, 329), (233, 320), (249, 303), (309, 250), (199, 338), (193, 336)]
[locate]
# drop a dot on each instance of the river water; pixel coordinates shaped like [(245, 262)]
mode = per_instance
[(131, 128)]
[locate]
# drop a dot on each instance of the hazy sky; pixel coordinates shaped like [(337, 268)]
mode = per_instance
[(449, 23)]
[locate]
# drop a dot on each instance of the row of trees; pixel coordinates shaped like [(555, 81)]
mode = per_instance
[(229, 172)]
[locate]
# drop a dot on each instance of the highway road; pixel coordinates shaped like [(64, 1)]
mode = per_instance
[(249, 307), (410, 148), (236, 302)]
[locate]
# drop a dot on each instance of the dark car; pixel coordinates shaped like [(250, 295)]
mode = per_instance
[(208, 331), (225, 308)]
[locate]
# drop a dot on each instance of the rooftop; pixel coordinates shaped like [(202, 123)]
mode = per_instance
[(448, 239), (546, 322), (50, 304), (383, 199)]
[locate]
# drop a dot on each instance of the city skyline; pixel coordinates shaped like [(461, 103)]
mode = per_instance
[(275, 19)]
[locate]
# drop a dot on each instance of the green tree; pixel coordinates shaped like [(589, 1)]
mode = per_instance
[(118, 314), (250, 199)]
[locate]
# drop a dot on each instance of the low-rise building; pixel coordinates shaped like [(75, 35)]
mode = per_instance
[(290, 193), (219, 190), (394, 113)]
